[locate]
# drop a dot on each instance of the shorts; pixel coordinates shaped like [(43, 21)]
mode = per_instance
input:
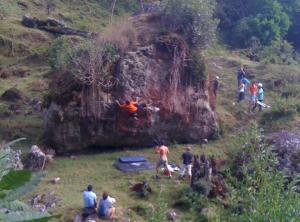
[(187, 169), (252, 98), (241, 96), (162, 162)]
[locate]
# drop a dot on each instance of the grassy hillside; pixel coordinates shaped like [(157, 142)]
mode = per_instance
[(26, 50)]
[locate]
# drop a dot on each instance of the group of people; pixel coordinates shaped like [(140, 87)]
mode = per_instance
[(105, 208), (255, 90), (187, 158)]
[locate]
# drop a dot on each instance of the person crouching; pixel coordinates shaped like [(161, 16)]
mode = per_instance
[(105, 208)]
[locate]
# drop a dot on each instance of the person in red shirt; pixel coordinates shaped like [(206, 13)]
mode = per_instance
[(253, 95)]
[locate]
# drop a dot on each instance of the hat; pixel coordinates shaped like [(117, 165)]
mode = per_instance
[(217, 77), (260, 85)]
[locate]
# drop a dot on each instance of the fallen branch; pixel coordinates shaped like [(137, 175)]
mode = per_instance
[(54, 26)]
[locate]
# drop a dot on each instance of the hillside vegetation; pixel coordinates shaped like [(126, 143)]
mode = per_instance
[(261, 34)]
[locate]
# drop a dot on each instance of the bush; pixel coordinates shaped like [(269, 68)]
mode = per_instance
[(198, 68), (280, 110), (278, 53), (121, 35), (193, 18), (263, 194), (60, 50)]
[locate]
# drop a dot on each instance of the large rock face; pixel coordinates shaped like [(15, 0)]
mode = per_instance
[(179, 112)]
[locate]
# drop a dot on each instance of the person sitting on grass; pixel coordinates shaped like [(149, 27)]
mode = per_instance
[(89, 200), (105, 208)]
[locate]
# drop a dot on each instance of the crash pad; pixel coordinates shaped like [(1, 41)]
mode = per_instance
[(131, 164), (132, 159)]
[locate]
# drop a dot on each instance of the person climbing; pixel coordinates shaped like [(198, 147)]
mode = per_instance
[(163, 152), (260, 97), (241, 94), (105, 208), (252, 95), (89, 200), (240, 74), (130, 106), (187, 157), (215, 85)]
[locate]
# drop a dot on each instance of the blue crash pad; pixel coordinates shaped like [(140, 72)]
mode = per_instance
[(132, 159)]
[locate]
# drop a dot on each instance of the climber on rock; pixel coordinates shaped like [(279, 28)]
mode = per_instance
[(130, 106)]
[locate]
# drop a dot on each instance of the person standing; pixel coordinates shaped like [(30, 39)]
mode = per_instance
[(215, 85), (187, 158), (163, 152), (240, 74), (260, 97), (252, 95), (241, 94)]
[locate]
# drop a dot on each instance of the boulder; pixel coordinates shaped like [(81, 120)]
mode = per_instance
[(12, 95), (36, 159), (43, 202), (172, 215), (180, 109), (4, 73), (286, 145)]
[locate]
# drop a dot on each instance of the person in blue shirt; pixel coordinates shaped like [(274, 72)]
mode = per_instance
[(89, 198), (246, 82), (105, 208), (240, 74), (260, 97)]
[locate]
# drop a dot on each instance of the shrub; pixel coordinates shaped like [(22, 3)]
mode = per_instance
[(197, 68), (263, 194), (159, 213), (14, 184), (279, 52), (193, 18), (121, 35), (60, 50), (280, 110)]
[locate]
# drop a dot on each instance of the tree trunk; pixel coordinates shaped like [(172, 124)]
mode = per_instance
[(112, 10)]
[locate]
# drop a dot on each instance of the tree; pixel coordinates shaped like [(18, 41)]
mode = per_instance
[(192, 18), (267, 20)]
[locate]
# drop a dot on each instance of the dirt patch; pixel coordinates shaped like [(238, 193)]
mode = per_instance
[(32, 37), (12, 95)]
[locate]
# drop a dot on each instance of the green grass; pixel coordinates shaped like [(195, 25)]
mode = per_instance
[(98, 170)]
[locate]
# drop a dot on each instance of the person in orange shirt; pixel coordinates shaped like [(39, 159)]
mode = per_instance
[(131, 106), (253, 95), (163, 152)]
